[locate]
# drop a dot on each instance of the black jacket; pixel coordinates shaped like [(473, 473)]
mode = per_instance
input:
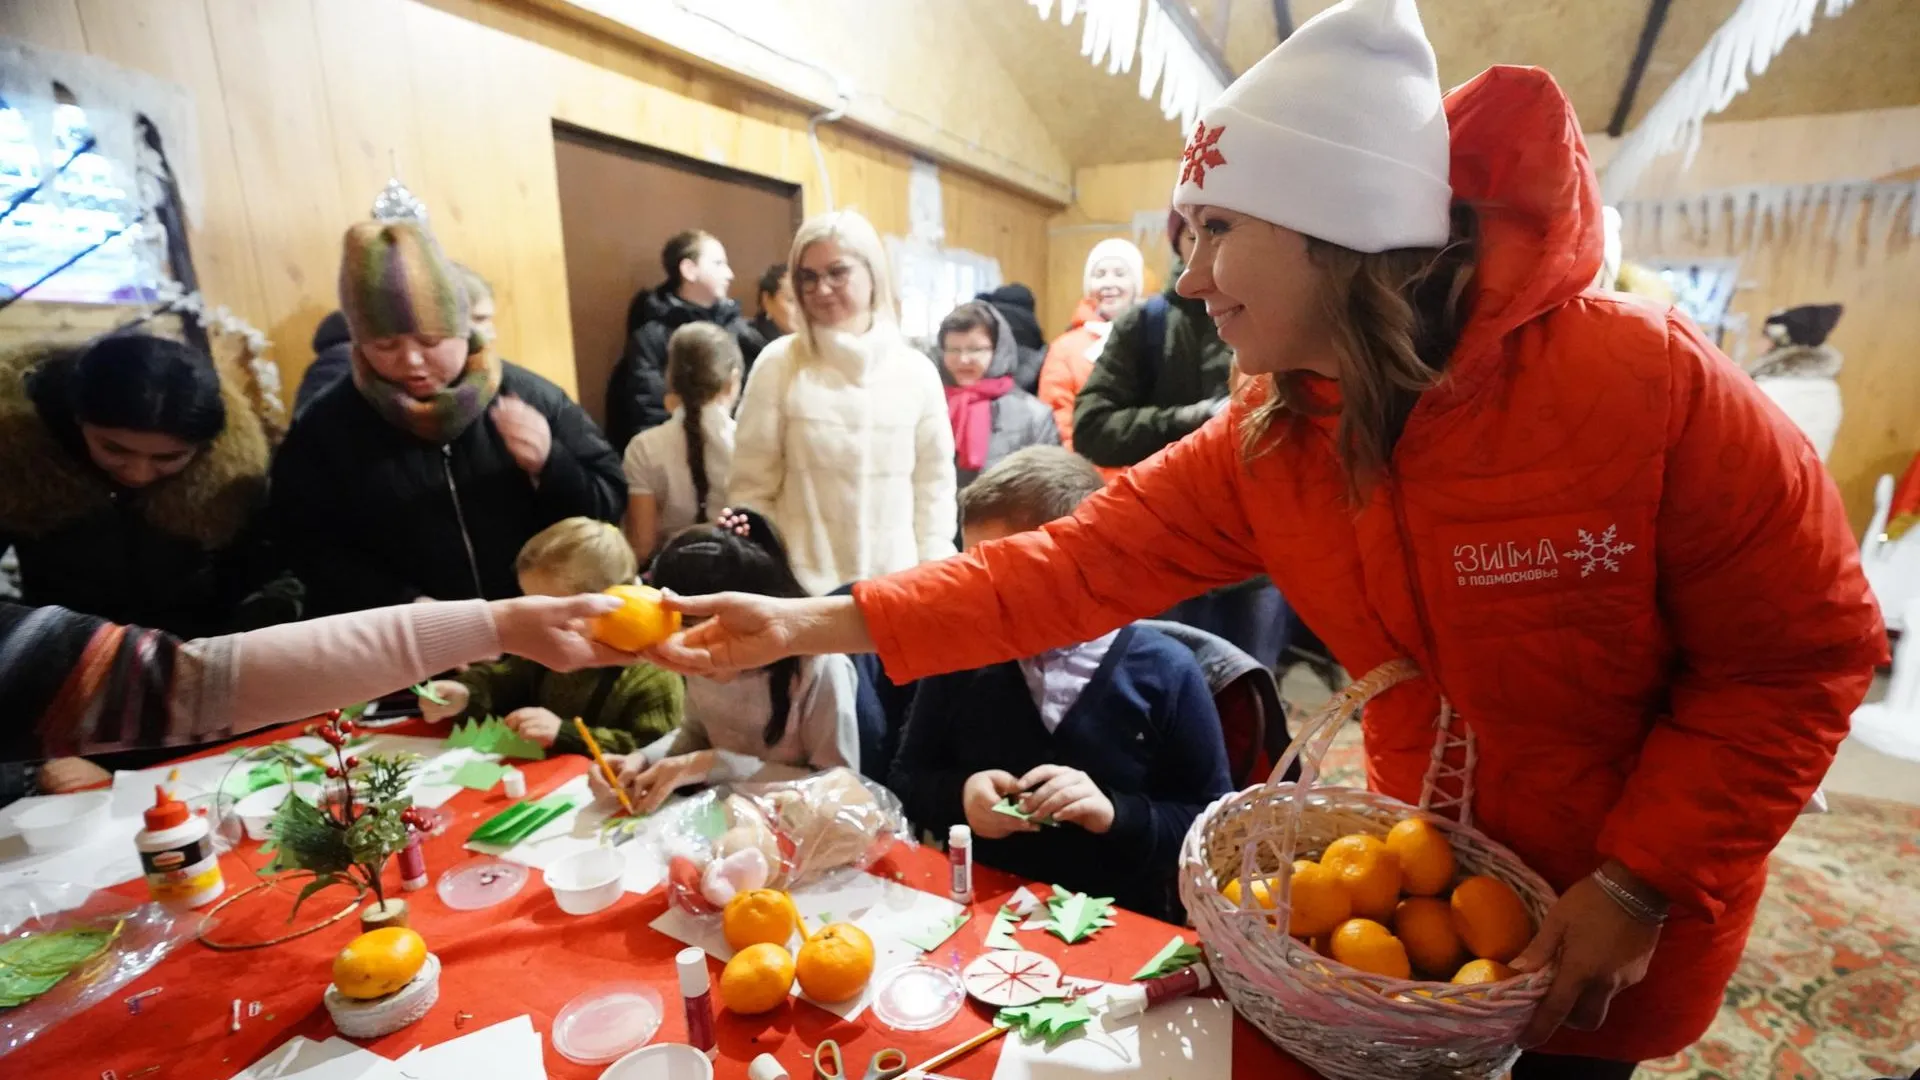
[(182, 555), (637, 390), (332, 360), (369, 514)]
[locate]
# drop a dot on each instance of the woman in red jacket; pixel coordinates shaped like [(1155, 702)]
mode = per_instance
[(1624, 569)]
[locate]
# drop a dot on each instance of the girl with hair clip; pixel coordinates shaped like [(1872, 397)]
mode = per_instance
[(676, 471), (780, 722)]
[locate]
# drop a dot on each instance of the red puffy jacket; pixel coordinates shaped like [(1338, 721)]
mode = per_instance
[(1624, 567)]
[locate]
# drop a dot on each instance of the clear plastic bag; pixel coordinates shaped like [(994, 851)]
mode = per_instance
[(746, 836), (147, 933)]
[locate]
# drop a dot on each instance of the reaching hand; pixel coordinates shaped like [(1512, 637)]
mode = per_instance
[(1057, 793), (524, 429), (980, 794), (535, 723), (741, 631), (1600, 950), (455, 696), (552, 631), (65, 774)]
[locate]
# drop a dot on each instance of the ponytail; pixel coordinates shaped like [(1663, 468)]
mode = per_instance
[(702, 360)]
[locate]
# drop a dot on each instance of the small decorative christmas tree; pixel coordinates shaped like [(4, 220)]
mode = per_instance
[(361, 822)]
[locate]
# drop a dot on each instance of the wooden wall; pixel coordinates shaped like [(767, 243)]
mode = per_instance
[(1106, 197), (300, 103)]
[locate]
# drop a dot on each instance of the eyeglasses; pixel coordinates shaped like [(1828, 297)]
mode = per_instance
[(836, 277), (970, 354)]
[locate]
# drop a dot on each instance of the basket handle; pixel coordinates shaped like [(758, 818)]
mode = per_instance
[(1316, 736)]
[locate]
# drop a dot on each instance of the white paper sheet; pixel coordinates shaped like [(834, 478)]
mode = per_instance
[(888, 911), (1186, 1039), (303, 1059), (509, 1050), (579, 830)]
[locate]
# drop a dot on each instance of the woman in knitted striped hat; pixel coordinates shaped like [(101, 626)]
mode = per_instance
[(425, 472)]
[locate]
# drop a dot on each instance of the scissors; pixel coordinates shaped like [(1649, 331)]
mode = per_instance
[(827, 1063)]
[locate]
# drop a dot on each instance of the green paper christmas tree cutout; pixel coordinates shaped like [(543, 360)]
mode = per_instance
[(933, 936), (1176, 955), (1010, 807), (426, 692), (1052, 1019), (1075, 916), (1000, 934), (492, 736)]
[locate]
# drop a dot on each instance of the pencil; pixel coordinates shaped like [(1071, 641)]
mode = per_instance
[(945, 1056), (600, 759)]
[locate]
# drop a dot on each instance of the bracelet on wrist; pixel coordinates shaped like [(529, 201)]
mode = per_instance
[(1638, 909)]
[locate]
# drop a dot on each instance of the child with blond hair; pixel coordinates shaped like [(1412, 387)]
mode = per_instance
[(626, 708)]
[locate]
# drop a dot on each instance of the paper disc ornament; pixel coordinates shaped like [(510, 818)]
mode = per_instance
[(1004, 979)]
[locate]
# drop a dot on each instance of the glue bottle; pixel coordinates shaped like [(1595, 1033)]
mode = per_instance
[(177, 855), (960, 863), (695, 994)]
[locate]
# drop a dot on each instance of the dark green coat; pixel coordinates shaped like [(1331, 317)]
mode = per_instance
[(643, 704), (1130, 407)]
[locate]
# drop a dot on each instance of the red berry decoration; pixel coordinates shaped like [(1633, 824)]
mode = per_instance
[(333, 773), (352, 762), (346, 727)]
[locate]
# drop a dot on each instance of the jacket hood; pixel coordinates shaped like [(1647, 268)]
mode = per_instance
[(1799, 362), (1519, 160), (663, 305), (1015, 303), (46, 482), (333, 330), (1006, 352), (1086, 311)]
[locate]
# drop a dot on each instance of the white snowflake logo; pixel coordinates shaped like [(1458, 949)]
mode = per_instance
[(1598, 552)]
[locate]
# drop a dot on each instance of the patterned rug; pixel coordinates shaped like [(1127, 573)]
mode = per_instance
[(1829, 988)]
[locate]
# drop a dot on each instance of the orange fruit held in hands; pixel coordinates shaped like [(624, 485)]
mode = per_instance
[(641, 623), (1368, 871), (835, 964), (759, 916), (1424, 924), (1367, 946), (757, 979), (1491, 919), (1426, 859), (1475, 972), (1319, 901), (379, 962)]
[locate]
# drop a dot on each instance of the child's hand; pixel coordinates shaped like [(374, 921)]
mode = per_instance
[(453, 693), (71, 774), (980, 794), (659, 781), (624, 766), (534, 723), (1057, 793)]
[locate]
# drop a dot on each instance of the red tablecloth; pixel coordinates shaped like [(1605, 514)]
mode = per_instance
[(523, 956)]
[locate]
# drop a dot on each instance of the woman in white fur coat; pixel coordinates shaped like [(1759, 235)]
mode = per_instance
[(1799, 372), (843, 438)]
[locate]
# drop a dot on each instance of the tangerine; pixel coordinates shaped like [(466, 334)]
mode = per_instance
[(1368, 871), (1368, 946), (1426, 859), (640, 623), (1263, 892), (1490, 918), (379, 962), (757, 979), (759, 916), (1319, 901), (1424, 924), (1475, 972), (835, 963)]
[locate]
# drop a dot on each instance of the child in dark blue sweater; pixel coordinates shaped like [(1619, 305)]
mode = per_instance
[(1115, 741)]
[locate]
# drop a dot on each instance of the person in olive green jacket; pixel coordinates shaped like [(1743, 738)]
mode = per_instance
[(1140, 398), (626, 708)]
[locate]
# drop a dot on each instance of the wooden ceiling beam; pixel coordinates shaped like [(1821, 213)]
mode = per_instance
[(1649, 35)]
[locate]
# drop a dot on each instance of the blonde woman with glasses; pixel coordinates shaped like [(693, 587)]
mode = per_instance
[(843, 438)]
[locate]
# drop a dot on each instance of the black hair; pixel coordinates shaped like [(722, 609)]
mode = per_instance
[(681, 247), (702, 359), (770, 281), (707, 559), (135, 382)]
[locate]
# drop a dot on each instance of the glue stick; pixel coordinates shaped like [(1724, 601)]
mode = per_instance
[(960, 862), (694, 994)]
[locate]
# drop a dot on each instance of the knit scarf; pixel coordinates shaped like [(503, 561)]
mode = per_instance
[(451, 410), (970, 411)]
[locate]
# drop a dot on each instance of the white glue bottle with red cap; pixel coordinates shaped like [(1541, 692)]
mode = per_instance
[(176, 854)]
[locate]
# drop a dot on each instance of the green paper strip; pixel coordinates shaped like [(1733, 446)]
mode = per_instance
[(1174, 956), (426, 691), (519, 821), (1012, 809), (478, 775), (933, 936)]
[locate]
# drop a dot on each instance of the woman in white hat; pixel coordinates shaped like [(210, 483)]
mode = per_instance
[(1567, 509), (1114, 277)]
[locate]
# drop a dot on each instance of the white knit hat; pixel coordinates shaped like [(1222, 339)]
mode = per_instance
[(1115, 248), (1338, 134)]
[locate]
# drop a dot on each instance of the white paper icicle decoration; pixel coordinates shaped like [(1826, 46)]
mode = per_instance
[(1723, 218), (1116, 31)]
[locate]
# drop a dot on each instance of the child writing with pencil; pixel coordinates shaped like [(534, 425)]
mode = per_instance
[(778, 723), (626, 708)]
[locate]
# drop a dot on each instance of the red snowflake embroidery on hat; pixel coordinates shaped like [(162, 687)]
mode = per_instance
[(1201, 154)]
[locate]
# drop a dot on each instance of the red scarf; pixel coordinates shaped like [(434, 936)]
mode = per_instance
[(970, 410)]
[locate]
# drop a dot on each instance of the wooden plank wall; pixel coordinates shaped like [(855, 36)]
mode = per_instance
[(1105, 200), (301, 101)]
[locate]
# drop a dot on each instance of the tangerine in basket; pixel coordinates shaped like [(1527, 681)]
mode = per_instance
[(1426, 859), (1475, 972), (1490, 918), (1368, 946), (1264, 890), (1319, 901), (379, 962), (759, 916), (757, 979), (835, 964), (1368, 871), (640, 623), (1424, 924)]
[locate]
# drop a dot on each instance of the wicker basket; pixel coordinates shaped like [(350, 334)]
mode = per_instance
[(1342, 1022)]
